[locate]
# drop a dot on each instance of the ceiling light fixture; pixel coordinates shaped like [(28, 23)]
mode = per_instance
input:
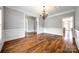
[(44, 13)]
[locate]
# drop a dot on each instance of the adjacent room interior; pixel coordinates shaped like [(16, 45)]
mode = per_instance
[(39, 29)]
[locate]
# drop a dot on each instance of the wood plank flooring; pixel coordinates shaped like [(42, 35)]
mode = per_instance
[(41, 43)]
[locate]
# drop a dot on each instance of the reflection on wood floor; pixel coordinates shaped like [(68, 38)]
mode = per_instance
[(35, 43), (41, 43)]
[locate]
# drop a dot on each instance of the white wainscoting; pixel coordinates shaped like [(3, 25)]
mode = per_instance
[(40, 30), (12, 34), (56, 31), (2, 40), (1, 45), (77, 39)]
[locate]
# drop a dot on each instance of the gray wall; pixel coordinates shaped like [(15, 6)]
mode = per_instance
[(31, 26), (13, 19), (13, 24), (1, 20), (41, 23), (56, 21), (77, 19), (77, 25), (53, 24), (2, 28)]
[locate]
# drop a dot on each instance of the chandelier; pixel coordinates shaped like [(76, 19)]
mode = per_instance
[(44, 13)]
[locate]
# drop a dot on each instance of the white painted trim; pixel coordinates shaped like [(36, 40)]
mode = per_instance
[(56, 31), (77, 38), (14, 9), (21, 10), (61, 13), (32, 14), (11, 34), (24, 22), (37, 25)]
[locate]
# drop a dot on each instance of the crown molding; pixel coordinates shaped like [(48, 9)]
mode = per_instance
[(21, 10), (61, 13)]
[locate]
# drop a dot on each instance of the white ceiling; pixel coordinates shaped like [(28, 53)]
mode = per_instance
[(36, 10)]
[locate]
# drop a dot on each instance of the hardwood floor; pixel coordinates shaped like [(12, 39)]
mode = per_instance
[(41, 43)]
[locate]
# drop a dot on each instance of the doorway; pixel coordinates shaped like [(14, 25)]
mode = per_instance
[(30, 26)]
